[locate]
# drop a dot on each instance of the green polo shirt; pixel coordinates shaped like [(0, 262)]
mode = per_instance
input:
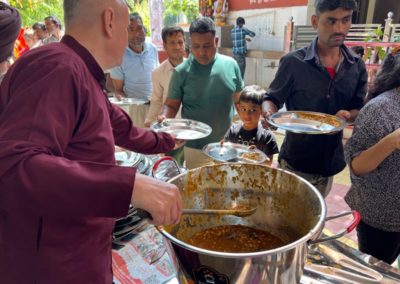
[(206, 93)]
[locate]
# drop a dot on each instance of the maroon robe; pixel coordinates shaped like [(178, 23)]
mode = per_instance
[(60, 190)]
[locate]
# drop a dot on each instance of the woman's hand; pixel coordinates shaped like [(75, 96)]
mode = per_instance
[(394, 139)]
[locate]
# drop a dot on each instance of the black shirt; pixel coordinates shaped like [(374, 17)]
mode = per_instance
[(263, 139), (303, 83)]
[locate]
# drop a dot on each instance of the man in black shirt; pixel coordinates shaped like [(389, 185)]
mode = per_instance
[(323, 77)]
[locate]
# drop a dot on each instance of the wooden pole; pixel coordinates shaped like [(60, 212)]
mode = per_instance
[(287, 46)]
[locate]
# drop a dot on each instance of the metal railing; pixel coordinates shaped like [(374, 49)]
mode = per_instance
[(372, 57), (395, 34), (303, 35), (298, 36)]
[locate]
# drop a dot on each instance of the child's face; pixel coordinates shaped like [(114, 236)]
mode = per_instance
[(249, 114)]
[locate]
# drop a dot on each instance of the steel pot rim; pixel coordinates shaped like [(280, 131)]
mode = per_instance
[(312, 234)]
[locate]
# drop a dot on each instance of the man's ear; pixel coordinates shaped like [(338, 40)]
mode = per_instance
[(216, 40), (108, 19), (314, 21)]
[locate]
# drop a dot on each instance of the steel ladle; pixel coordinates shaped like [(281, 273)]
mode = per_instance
[(239, 212)]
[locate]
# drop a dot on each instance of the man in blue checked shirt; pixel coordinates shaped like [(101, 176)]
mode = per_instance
[(238, 34)]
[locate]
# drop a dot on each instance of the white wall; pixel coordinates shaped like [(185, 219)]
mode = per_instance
[(260, 71), (269, 25)]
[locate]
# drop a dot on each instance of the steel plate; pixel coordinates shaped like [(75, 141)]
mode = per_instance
[(232, 152), (127, 101), (185, 129), (307, 122)]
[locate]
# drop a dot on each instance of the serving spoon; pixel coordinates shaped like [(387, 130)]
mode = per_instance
[(239, 212)]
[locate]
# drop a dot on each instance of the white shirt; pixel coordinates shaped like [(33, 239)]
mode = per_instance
[(161, 77)]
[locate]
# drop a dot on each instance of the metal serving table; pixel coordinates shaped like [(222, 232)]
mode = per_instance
[(147, 257)]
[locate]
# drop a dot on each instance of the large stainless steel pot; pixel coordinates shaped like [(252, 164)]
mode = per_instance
[(288, 206)]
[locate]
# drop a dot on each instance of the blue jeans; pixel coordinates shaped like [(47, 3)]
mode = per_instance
[(241, 61)]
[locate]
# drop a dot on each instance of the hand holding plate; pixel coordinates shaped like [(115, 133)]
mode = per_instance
[(178, 142), (160, 118), (344, 114), (119, 97), (268, 109)]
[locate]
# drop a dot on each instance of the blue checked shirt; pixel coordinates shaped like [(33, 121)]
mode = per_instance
[(239, 39)]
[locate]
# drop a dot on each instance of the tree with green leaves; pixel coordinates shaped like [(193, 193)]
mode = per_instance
[(33, 11), (174, 8)]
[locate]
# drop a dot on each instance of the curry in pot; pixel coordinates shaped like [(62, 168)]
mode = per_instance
[(235, 239)]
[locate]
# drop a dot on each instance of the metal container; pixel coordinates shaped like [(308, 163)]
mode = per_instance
[(166, 168), (287, 206), (127, 158)]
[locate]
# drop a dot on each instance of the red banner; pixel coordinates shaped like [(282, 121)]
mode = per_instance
[(238, 5)]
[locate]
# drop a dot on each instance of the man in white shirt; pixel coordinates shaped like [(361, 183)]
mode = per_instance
[(174, 45)]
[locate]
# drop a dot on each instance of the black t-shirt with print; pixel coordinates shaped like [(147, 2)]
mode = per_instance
[(263, 139)]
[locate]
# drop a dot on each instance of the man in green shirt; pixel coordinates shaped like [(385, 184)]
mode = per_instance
[(206, 84)]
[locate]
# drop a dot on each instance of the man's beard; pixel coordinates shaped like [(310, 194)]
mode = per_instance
[(136, 44)]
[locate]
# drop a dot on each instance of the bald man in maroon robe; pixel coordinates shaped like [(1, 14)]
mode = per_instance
[(60, 188)]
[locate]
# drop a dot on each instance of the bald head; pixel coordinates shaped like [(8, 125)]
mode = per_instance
[(86, 12), (98, 25)]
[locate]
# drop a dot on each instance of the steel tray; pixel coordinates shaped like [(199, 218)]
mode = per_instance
[(127, 101), (307, 122), (232, 152), (185, 129)]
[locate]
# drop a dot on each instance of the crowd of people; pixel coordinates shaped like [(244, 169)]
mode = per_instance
[(23, 39), (60, 188)]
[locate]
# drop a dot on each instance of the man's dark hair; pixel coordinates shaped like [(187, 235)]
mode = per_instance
[(252, 94), (169, 31), (54, 20), (240, 21), (359, 50), (322, 6), (388, 77), (202, 25), (135, 17), (38, 26)]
